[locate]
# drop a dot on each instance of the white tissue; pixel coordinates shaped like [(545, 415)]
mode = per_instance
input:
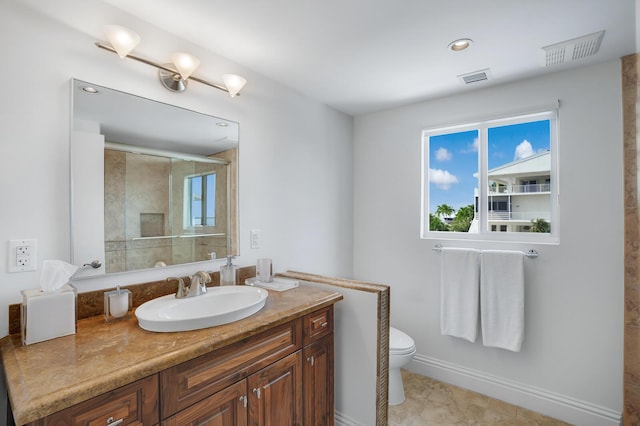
[(55, 274)]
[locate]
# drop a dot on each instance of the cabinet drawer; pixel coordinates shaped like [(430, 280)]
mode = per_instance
[(135, 404), (194, 380), (318, 324)]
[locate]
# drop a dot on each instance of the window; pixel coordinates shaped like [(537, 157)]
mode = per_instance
[(491, 177), (200, 200)]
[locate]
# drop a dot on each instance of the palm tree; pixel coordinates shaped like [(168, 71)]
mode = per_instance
[(462, 221), (444, 210), (435, 224), (540, 225)]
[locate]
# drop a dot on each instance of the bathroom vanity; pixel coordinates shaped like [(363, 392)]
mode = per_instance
[(274, 367)]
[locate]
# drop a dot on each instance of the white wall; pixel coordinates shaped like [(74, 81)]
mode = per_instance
[(574, 291), (355, 350), (295, 153), (637, 23)]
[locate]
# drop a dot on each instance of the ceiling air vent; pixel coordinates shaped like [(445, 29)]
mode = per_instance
[(573, 49), (475, 77)]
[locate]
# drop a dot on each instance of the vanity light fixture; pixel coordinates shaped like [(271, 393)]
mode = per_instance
[(185, 64), (122, 39), (173, 76), (460, 44)]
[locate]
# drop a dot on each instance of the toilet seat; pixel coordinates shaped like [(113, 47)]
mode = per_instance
[(400, 343)]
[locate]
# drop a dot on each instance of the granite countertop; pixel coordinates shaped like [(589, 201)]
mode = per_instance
[(47, 377)]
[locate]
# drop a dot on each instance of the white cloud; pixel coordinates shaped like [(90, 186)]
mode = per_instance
[(523, 150), (442, 154), (442, 178), (472, 147)]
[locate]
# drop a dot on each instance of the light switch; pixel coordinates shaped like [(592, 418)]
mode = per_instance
[(255, 238)]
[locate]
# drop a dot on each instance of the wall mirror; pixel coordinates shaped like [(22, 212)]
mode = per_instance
[(152, 184)]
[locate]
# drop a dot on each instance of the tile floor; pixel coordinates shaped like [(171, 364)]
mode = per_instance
[(429, 402)]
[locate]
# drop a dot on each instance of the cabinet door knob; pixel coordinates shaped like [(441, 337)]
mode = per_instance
[(257, 392), (311, 360), (243, 399), (112, 422)]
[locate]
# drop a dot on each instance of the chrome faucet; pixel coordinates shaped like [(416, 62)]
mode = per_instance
[(199, 282), (182, 290), (198, 285)]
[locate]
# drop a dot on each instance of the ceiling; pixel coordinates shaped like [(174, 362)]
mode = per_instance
[(132, 120), (361, 56)]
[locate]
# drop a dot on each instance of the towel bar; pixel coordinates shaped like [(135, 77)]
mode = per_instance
[(529, 253)]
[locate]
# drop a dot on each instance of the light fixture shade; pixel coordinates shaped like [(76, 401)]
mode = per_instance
[(122, 39), (234, 83), (185, 63)]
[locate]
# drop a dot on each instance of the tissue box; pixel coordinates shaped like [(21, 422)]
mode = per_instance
[(46, 316)]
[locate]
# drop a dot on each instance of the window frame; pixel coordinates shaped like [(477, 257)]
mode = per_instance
[(188, 194), (485, 233)]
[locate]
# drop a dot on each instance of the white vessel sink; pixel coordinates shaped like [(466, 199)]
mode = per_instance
[(219, 305)]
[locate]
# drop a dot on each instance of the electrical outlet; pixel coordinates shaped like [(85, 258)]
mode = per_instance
[(23, 251), (22, 255)]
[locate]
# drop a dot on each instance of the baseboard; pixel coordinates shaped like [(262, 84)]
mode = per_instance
[(558, 406), (341, 419)]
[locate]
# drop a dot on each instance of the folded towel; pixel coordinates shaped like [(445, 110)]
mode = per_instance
[(459, 292), (502, 299)]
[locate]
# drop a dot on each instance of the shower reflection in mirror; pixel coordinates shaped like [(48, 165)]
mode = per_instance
[(171, 210)]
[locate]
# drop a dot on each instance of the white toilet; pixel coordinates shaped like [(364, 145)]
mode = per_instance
[(401, 351)]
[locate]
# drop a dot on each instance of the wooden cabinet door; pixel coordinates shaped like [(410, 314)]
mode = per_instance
[(275, 393), (225, 408), (317, 378)]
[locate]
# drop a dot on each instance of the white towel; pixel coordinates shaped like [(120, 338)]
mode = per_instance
[(459, 292), (502, 299)]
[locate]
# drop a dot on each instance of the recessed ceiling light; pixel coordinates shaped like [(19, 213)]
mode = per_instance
[(460, 44), (91, 90)]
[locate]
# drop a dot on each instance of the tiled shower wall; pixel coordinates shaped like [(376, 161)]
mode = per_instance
[(631, 395), (134, 184)]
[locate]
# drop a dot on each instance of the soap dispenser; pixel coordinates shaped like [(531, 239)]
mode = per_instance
[(117, 304), (228, 272)]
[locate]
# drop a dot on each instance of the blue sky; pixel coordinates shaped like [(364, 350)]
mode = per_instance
[(453, 158)]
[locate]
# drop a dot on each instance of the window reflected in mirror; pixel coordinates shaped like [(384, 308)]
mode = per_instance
[(200, 200)]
